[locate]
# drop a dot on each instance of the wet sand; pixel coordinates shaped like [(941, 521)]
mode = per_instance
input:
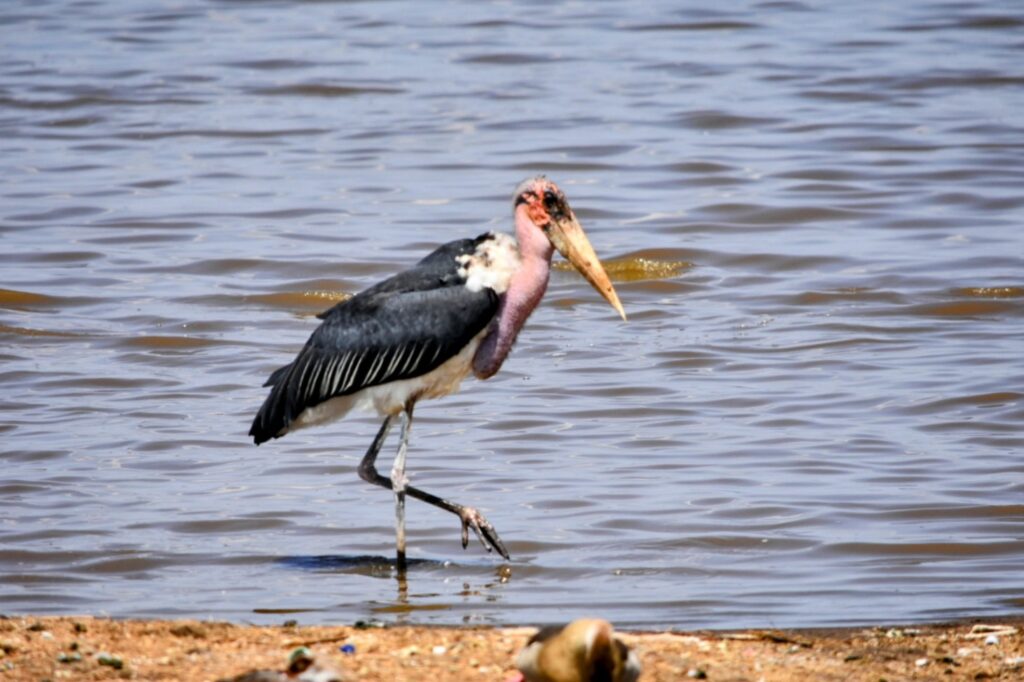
[(39, 648)]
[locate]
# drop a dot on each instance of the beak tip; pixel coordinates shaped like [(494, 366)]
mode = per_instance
[(614, 300)]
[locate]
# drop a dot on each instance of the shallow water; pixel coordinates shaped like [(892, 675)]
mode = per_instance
[(813, 212)]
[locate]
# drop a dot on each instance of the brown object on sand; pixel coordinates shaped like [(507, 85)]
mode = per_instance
[(583, 651)]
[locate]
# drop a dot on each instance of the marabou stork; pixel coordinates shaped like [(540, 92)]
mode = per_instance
[(419, 333)]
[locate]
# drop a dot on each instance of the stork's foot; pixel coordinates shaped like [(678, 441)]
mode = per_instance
[(485, 532)]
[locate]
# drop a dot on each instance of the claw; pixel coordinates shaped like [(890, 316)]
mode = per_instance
[(484, 531)]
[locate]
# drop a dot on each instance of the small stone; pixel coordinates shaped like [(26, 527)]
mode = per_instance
[(697, 674), (408, 651), (439, 650), (188, 630), (74, 657), (46, 634), (290, 623), (114, 662), (368, 624), (992, 639), (80, 627), (921, 662)]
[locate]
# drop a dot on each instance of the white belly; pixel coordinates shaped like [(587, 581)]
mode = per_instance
[(390, 398)]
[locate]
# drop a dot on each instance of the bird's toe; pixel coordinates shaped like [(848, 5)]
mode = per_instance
[(483, 530)]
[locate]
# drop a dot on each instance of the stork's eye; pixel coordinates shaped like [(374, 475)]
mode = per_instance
[(554, 204)]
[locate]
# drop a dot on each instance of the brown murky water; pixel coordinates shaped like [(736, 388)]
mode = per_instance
[(814, 213)]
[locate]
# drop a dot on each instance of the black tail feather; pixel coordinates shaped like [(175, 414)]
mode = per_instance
[(271, 420)]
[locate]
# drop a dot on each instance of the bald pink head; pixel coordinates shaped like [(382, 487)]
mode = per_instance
[(543, 205), (543, 200)]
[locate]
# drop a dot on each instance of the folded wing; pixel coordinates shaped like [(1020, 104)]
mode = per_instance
[(384, 334)]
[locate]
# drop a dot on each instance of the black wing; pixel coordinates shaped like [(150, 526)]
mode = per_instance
[(437, 269), (401, 328)]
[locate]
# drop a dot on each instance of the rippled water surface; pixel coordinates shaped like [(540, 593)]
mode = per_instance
[(814, 213)]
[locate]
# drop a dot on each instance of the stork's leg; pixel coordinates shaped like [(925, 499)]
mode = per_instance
[(469, 516), (368, 472), (399, 482)]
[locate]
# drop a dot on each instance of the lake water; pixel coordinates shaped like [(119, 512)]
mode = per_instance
[(814, 212)]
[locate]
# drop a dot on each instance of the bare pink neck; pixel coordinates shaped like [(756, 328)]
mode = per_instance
[(524, 292)]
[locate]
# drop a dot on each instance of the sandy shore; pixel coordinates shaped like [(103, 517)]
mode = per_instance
[(87, 648)]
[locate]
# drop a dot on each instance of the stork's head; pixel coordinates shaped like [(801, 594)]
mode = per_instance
[(541, 202)]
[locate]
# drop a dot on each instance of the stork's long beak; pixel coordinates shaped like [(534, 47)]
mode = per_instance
[(566, 234)]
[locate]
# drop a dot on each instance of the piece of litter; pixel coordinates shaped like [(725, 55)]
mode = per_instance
[(982, 631), (992, 639), (300, 660), (347, 648), (439, 650), (921, 662)]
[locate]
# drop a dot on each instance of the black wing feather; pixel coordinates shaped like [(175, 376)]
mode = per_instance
[(406, 326), (275, 377), (436, 269)]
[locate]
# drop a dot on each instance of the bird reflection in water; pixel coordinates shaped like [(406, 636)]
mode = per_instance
[(384, 567)]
